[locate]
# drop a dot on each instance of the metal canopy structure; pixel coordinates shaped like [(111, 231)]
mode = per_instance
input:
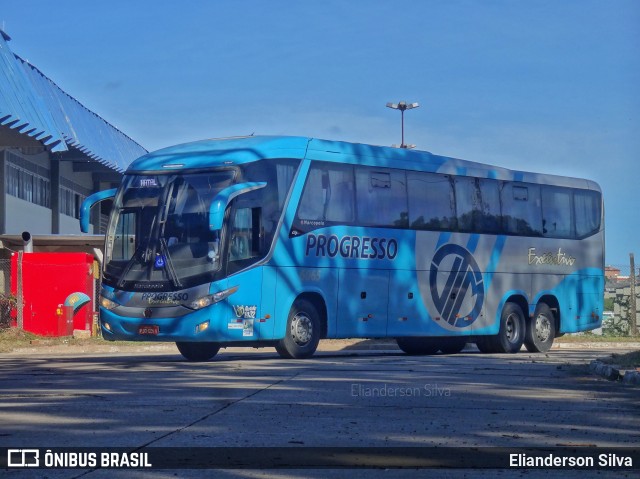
[(52, 242), (33, 105)]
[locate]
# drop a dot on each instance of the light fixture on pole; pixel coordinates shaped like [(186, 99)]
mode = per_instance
[(402, 106)]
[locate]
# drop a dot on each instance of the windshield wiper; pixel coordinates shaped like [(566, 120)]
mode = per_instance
[(143, 245), (169, 264)]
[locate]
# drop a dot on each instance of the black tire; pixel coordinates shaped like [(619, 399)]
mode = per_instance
[(452, 345), (484, 345), (198, 351), (418, 346), (511, 335), (512, 329), (541, 330), (303, 331)]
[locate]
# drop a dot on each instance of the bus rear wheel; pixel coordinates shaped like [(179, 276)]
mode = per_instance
[(540, 330), (418, 346), (511, 335), (198, 351), (303, 331)]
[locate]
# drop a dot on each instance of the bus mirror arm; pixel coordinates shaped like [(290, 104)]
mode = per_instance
[(85, 208), (222, 200)]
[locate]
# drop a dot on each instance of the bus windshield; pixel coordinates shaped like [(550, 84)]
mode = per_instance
[(159, 236), (159, 230)]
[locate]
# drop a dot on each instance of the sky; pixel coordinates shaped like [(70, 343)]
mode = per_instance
[(545, 86)]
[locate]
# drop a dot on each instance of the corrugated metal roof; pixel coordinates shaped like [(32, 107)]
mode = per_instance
[(35, 106)]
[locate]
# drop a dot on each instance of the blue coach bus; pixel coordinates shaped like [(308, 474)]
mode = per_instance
[(283, 241)]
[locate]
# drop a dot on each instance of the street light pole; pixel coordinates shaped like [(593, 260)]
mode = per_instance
[(403, 106), (402, 127)]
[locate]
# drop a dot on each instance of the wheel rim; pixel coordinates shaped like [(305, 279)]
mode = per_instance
[(543, 328), (301, 329), (512, 332)]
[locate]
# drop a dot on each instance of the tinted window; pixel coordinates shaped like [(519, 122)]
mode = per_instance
[(489, 219), (431, 205), (467, 202), (587, 212), (278, 174), (381, 197), (256, 214), (478, 205), (521, 209), (328, 194), (556, 212), (388, 197)]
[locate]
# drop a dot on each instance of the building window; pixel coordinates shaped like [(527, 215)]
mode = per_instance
[(28, 186), (70, 202)]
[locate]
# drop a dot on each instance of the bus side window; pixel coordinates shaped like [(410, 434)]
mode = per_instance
[(587, 212), (521, 209), (557, 212), (431, 201), (328, 194), (467, 203), (246, 235), (490, 219), (478, 204), (381, 197)]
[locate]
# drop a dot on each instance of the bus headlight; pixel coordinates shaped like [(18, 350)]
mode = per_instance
[(210, 299), (201, 302), (107, 303)]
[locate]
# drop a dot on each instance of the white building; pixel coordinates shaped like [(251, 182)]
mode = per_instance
[(54, 152)]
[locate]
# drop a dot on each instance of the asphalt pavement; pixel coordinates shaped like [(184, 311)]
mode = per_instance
[(357, 394)]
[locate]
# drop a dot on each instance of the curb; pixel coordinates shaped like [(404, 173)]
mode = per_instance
[(614, 373)]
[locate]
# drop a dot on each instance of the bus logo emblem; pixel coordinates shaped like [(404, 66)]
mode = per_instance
[(459, 270)]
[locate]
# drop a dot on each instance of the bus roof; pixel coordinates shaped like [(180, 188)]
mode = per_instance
[(239, 150)]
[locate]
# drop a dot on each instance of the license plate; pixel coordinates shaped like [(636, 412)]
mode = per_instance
[(149, 329)]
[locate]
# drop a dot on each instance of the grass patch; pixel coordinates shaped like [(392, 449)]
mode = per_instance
[(13, 338), (626, 361)]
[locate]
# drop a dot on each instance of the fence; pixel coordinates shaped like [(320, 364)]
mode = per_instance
[(5, 276), (5, 292), (36, 307)]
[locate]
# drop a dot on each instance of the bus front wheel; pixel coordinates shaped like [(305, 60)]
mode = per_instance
[(303, 331), (540, 330), (198, 351)]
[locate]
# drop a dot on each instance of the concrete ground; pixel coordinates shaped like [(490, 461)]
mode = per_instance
[(350, 394)]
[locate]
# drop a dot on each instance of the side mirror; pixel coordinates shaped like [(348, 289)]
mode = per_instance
[(85, 209), (222, 199)]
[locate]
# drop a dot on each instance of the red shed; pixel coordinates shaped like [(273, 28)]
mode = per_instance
[(48, 279)]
